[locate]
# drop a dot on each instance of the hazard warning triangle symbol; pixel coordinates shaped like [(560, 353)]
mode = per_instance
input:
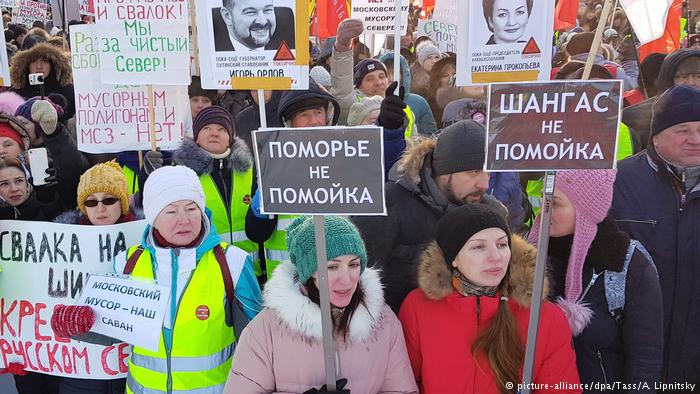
[(283, 53), (531, 48)]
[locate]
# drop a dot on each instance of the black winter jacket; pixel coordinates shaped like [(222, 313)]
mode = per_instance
[(34, 209), (627, 347), (652, 205), (396, 242)]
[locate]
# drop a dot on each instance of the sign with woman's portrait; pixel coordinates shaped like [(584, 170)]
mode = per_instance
[(505, 41)]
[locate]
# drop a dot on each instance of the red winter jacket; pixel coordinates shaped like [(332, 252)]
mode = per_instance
[(440, 326)]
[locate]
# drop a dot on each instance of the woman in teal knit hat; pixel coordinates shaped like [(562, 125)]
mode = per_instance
[(281, 350)]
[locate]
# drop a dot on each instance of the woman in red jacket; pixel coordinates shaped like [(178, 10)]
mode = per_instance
[(466, 326)]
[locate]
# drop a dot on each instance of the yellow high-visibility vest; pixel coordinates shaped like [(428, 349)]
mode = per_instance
[(199, 358), (229, 217)]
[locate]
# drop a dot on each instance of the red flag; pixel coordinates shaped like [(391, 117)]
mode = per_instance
[(330, 13), (671, 39), (565, 14)]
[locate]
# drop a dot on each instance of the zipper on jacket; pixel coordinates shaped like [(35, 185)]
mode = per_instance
[(225, 199), (174, 255), (649, 221), (590, 284), (478, 321), (602, 367), (168, 350), (478, 311)]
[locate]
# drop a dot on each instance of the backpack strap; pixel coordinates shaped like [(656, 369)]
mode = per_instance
[(131, 261), (220, 255), (615, 282)]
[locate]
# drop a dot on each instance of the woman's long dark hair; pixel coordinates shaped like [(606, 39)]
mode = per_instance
[(501, 343), (342, 325)]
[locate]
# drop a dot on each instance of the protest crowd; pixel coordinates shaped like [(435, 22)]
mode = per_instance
[(435, 295)]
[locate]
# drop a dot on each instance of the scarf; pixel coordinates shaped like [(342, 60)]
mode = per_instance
[(467, 288)]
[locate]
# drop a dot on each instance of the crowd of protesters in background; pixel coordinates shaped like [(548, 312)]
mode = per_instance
[(435, 296)]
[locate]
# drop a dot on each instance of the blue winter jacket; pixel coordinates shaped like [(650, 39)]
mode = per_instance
[(425, 122), (652, 205)]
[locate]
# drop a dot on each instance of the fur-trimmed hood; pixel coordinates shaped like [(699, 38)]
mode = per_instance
[(200, 161), (435, 277), (407, 170), (283, 295), (60, 65)]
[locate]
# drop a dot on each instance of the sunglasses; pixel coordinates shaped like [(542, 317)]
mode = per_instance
[(106, 201)]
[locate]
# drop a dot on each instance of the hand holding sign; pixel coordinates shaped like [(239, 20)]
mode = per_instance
[(391, 114), (348, 30)]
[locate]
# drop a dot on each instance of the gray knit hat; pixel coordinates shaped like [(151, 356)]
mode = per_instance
[(426, 50), (361, 109), (460, 147)]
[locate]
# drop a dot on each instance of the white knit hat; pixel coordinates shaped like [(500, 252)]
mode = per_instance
[(361, 109), (321, 76), (169, 184)]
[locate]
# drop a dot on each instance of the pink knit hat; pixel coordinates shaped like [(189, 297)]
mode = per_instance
[(590, 193)]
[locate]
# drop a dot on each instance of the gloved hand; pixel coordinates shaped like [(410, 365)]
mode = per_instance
[(14, 369), (44, 113), (47, 192), (348, 30), (152, 161), (70, 320), (255, 206), (339, 385), (391, 113)]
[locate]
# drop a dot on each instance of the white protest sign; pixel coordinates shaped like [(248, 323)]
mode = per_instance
[(446, 10), (129, 310), (7, 3), (26, 12), (267, 52), (44, 265), (511, 44), (145, 42), (113, 118), (443, 34), (379, 16)]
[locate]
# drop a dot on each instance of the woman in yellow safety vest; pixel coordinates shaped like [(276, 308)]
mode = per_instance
[(213, 291), (224, 166)]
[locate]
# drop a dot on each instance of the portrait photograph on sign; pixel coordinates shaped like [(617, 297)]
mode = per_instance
[(251, 39), (505, 41)]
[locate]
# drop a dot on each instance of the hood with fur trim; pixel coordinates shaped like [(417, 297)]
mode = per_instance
[(60, 65), (435, 277), (407, 171), (283, 295), (189, 154)]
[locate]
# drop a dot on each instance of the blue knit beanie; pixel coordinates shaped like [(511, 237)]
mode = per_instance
[(342, 238), (676, 105)]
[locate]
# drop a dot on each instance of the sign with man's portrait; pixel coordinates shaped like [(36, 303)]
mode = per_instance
[(242, 42), (505, 41)]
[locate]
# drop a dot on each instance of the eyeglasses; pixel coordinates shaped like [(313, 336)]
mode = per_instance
[(106, 201)]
